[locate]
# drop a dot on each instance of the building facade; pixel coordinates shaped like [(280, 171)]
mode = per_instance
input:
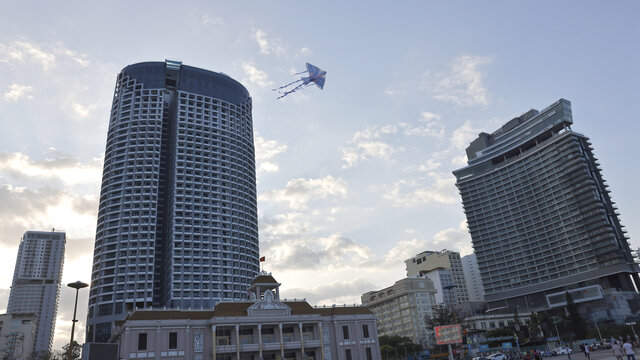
[(401, 309), (443, 283), (472, 278), (36, 283), (542, 221), (177, 220), (429, 260), (17, 336), (263, 327)]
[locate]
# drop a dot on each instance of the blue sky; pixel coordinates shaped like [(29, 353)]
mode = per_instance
[(352, 179)]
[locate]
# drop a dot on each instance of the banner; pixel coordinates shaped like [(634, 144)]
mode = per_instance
[(448, 334)]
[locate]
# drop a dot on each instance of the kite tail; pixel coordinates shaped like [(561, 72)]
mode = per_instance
[(284, 86), (293, 90)]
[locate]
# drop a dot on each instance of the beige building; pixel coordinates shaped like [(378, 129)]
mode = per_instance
[(431, 260), (17, 335), (401, 309), (263, 327)]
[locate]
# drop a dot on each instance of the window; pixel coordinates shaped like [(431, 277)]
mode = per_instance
[(173, 340), (142, 341), (365, 331), (368, 353), (345, 332), (348, 354)]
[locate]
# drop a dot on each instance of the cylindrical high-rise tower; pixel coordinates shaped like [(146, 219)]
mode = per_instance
[(177, 222)]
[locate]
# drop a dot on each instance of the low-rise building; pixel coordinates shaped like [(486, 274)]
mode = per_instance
[(17, 335), (262, 327), (401, 309)]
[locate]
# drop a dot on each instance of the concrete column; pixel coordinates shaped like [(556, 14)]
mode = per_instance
[(188, 348), (321, 341), (260, 341), (213, 336), (301, 338), (281, 341), (237, 341), (158, 342)]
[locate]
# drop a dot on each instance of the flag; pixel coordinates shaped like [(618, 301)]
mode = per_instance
[(262, 259)]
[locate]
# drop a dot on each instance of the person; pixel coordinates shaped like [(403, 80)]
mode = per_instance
[(587, 353), (617, 350), (628, 349)]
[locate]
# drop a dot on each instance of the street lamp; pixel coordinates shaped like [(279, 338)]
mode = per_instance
[(76, 285)]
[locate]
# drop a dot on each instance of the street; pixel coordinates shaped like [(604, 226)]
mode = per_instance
[(595, 355)]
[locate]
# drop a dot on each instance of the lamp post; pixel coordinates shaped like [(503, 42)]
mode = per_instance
[(76, 285)]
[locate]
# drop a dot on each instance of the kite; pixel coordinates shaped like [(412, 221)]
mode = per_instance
[(316, 76)]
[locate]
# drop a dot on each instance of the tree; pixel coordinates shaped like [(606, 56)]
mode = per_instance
[(64, 353), (575, 322), (440, 315)]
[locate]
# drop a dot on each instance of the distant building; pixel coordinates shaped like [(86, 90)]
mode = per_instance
[(543, 223), (36, 283), (430, 260), (401, 309), (264, 327), (472, 278), (17, 336), (495, 321), (443, 283)]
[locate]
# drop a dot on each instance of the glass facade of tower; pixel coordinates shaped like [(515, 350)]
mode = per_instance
[(541, 218), (177, 221)]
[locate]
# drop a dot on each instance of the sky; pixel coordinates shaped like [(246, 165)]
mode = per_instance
[(352, 179)]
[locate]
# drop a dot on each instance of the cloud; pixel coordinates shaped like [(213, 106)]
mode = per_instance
[(265, 151), (211, 20), (45, 208), (305, 51), (405, 249), (427, 166), (44, 55), (299, 191), (267, 46), (428, 125), (59, 166), (337, 292), (17, 91), (462, 136), (256, 76), (335, 250), (463, 83), (366, 145), (436, 188), (455, 238)]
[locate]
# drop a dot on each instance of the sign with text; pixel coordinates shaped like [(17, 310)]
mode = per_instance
[(448, 334)]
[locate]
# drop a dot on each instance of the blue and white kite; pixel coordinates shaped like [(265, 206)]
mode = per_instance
[(316, 76)]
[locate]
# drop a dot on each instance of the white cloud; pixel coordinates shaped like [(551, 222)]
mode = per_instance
[(265, 151), (305, 51), (463, 83), (299, 191), (335, 250), (462, 136), (60, 166), (365, 145), (17, 91), (429, 124), (211, 20), (44, 55), (266, 45), (437, 188), (256, 75), (457, 239)]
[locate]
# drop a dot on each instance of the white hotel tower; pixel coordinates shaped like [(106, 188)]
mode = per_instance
[(177, 221), (36, 284)]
